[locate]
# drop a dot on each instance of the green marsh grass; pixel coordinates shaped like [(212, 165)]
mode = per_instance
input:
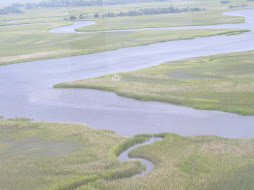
[(42, 155), (35, 42), (221, 82), (155, 21), (58, 156), (199, 162)]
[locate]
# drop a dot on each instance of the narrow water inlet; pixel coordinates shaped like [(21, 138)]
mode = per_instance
[(124, 156)]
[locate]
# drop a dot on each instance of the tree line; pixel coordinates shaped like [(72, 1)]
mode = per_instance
[(224, 2), (236, 6), (10, 10), (81, 3), (152, 11)]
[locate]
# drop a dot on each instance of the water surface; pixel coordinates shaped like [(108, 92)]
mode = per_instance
[(71, 28), (26, 89), (124, 156), (78, 24)]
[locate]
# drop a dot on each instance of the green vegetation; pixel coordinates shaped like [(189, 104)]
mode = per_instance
[(81, 3), (42, 155), (19, 119), (224, 2), (57, 156), (236, 6), (152, 11), (136, 140), (222, 82), (33, 42), (209, 17), (201, 163), (10, 10)]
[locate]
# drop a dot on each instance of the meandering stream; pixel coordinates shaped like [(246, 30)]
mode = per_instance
[(26, 89), (124, 156), (79, 24)]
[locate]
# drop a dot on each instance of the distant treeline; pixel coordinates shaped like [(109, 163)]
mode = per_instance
[(236, 6), (10, 10), (224, 2), (81, 3), (152, 11)]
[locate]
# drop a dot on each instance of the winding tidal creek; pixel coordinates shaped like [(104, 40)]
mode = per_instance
[(26, 88), (124, 156)]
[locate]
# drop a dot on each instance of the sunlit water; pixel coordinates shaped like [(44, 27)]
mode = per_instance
[(26, 89)]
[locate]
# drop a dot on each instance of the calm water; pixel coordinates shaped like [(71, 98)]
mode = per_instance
[(71, 28), (149, 165), (26, 89), (248, 16)]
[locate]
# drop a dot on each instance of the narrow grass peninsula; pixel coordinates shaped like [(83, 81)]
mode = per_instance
[(33, 42), (26, 37), (222, 82)]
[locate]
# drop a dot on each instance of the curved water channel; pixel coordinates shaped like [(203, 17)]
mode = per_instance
[(72, 28), (79, 24), (124, 156), (26, 89)]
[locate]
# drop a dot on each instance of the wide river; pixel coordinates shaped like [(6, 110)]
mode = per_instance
[(26, 89)]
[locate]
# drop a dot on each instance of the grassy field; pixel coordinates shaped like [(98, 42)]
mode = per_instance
[(201, 163), (56, 14), (42, 155), (222, 82), (165, 20), (34, 41), (42, 14), (213, 15)]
